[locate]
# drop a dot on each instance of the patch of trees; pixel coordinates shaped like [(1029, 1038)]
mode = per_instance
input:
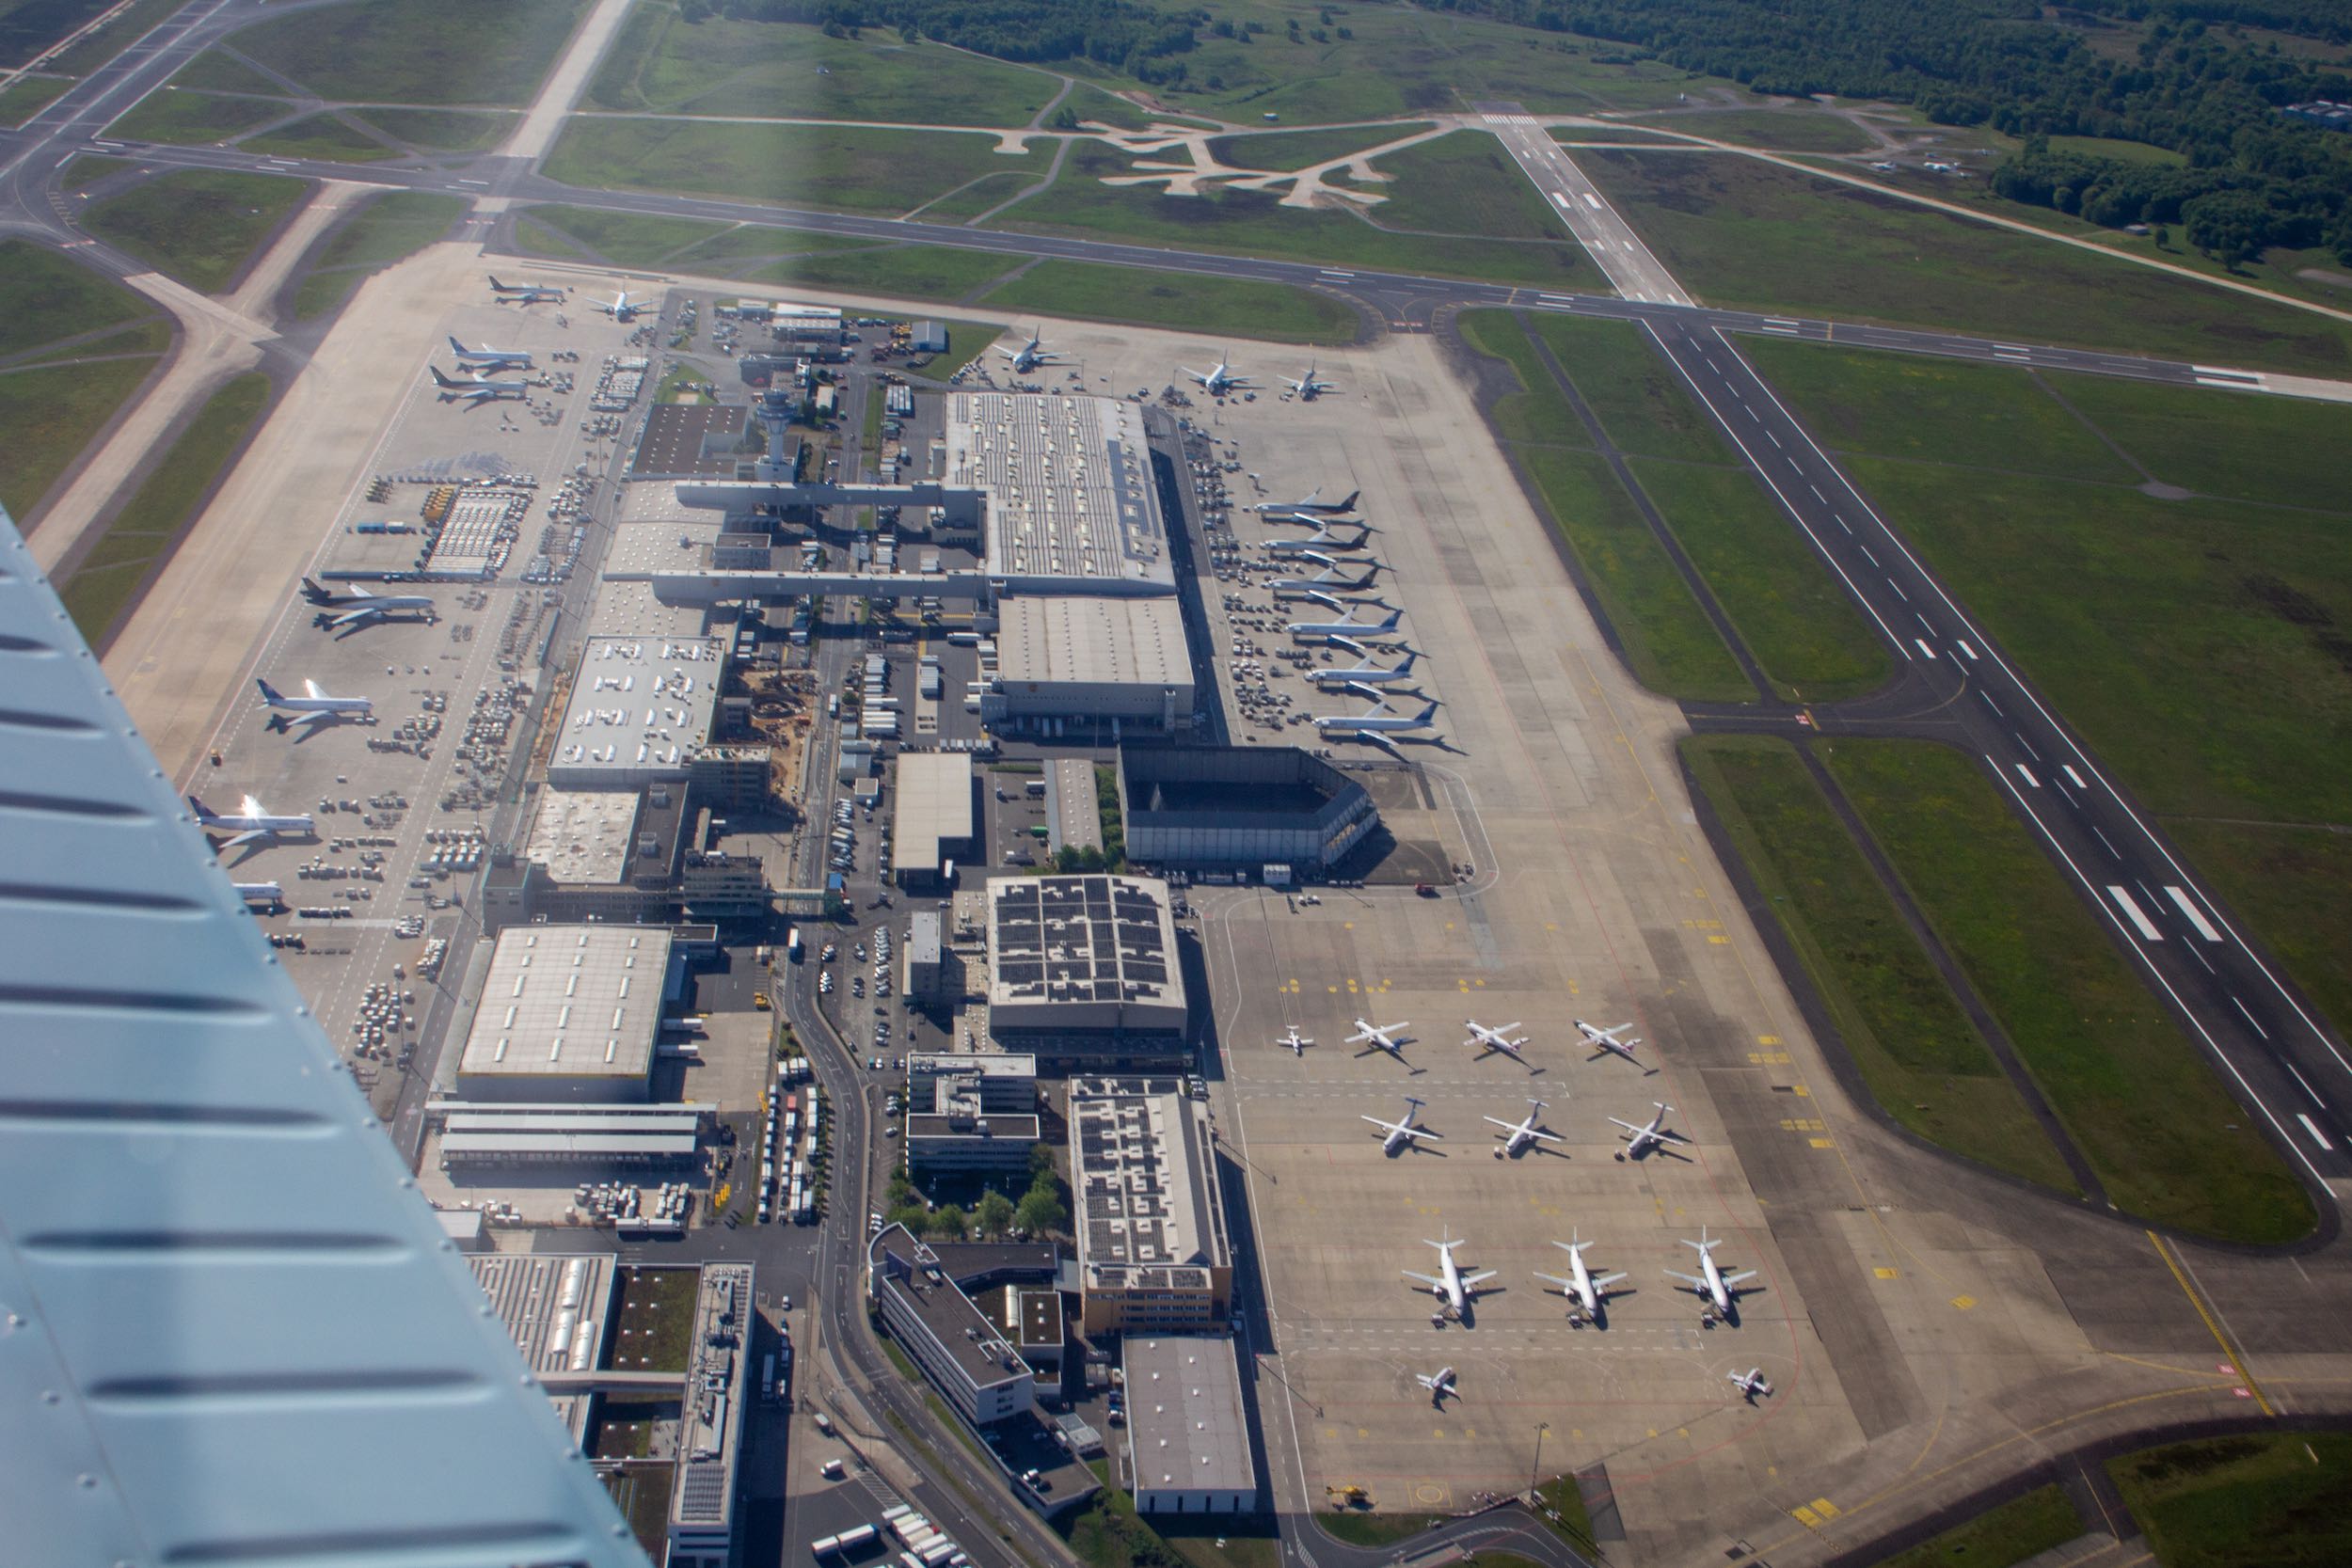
[(1135, 38)]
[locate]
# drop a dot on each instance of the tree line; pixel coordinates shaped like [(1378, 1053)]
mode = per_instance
[(1135, 38)]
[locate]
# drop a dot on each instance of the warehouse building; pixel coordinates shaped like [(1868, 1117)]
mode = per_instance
[(1152, 1253), (1092, 658), (1240, 806), (933, 819), (1085, 970), (963, 1138), (639, 706), (568, 1015), (966, 1356), (1187, 1437), (1005, 1085), (710, 1425), (493, 1136), (1071, 507)]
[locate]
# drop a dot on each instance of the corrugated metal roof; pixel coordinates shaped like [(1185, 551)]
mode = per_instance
[(231, 1331)]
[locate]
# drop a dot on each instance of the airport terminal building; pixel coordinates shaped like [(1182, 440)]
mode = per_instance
[(1240, 806), (1152, 1253), (1084, 970)]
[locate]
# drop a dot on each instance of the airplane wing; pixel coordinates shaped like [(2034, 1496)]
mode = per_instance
[(1690, 1279), (1630, 1128), (1672, 1137), (308, 720), (236, 840), (1602, 1281), (1731, 1279), (1567, 1285), (1421, 1133), (1429, 1279), (1470, 1279), (1386, 1126), (365, 612), (1548, 1137), (253, 808), (1508, 1126)]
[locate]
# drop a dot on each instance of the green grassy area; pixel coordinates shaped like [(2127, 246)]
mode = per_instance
[(2293, 885), (1538, 412), (197, 226), (967, 342), (1236, 307), (540, 240), (1744, 233), (982, 195), (184, 118), (1791, 130), (629, 239), (217, 70), (427, 52), (1088, 104), (910, 272), (752, 243), (87, 169), (151, 336), (1559, 1496), (1924, 1062), (656, 1313), (140, 538), (721, 66), (444, 130), (51, 415), (28, 95), (2140, 1102), (2108, 147), (1464, 183), (851, 168), (320, 136), (50, 296), (113, 38), (1939, 410), (642, 1496), (2270, 1499), (389, 228), (2000, 1537), (1359, 1529), (2284, 450), (1632, 390), (1288, 151)]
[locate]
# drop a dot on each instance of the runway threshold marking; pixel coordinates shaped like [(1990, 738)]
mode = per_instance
[(2308, 1126), (2132, 912), (2190, 911), (2237, 1362), (2072, 777)]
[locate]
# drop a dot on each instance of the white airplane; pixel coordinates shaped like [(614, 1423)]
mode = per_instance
[(1752, 1385), (1314, 505), (1451, 1286), (1522, 1134), (1640, 1140), (525, 293), (1588, 1292), (250, 821), (314, 706), (360, 606), (489, 359), (1608, 1042), (1305, 386), (1296, 1041), (1439, 1386), (1029, 355), (1377, 719), (620, 306), (1378, 1036), (1710, 1284), (1323, 584), (1347, 625), (1492, 1041), (1364, 674), (1312, 548), (1400, 1135), (1218, 382), (477, 389)]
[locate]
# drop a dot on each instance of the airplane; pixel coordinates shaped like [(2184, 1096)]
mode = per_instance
[(1322, 583), (1029, 355), (1306, 386), (1493, 1042), (314, 706), (1347, 627), (261, 895), (1752, 1386), (1218, 382), (252, 820), (489, 359), (1522, 1132), (1377, 719), (1401, 1134), (1588, 1292), (1608, 1042), (1312, 548), (1439, 1386), (480, 388), (1451, 1286), (1716, 1287), (360, 606), (526, 294), (1313, 504), (1640, 1140), (1364, 673), (1296, 1041), (1378, 1036)]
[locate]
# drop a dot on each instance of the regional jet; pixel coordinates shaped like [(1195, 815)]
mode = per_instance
[(1440, 1386), (1495, 1041), (1609, 1044), (1307, 387), (489, 359), (1587, 1293), (1521, 1134), (1395, 1135), (1029, 355), (1451, 1286), (1364, 674), (1348, 627), (525, 293), (1314, 504), (249, 822), (1324, 582), (1712, 1285), (477, 389), (313, 707), (359, 607), (1640, 1140), (1218, 382), (1377, 719), (1752, 1385), (1378, 1036), (1296, 1041), (1312, 548)]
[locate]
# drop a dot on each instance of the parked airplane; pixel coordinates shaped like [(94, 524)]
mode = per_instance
[(1323, 583), (313, 707), (1439, 1386), (1364, 674), (1029, 355), (1219, 381), (360, 606), (1312, 548), (1453, 1289), (1377, 719), (1378, 1036), (1640, 1140), (620, 306), (1587, 1293), (489, 359), (1522, 1134), (1305, 386), (250, 821), (1296, 1041), (1315, 505), (1348, 627), (1401, 1134), (478, 388), (1609, 1044), (1710, 1284), (1491, 1041), (525, 293), (1752, 1385)]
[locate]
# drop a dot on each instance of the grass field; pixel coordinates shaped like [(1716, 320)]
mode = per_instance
[(967, 342), (1632, 390), (2108, 147), (87, 169), (914, 272), (2017, 1529), (186, 119), (1924, 1062), (1744, 233), (27, 96), (150, 335), (752, 243), (427, 52), (1289, 151), (51, 415), (389, 229), (320, 136), (444, 130), (2293, 885), (217, 70), (2140, 1102), (1782, 129), (1539, 412), (853, 169), (50, 296), (113, 38), (2284, 450), (1237, 306), (138, 540), (982, 195), (629, 239), (1087, 103), (2270, 1499), (1464, 183), (540, 240), (197, 226)]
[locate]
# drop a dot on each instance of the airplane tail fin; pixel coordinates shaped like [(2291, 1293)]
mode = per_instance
[(1427, 714), (496, 284), (1406, 666), (202, 813), (314, 593), (269, 692), (456, 347), (1349, 504), (444, 382)]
